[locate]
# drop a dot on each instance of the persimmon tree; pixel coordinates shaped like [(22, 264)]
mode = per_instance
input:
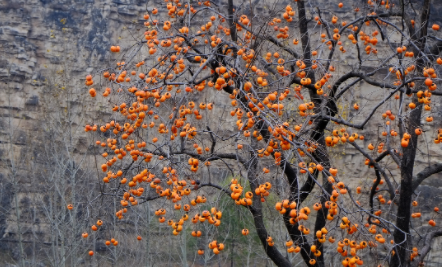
[(270, 96)]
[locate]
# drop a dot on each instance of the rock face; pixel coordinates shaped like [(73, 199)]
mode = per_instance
[(46, 49)]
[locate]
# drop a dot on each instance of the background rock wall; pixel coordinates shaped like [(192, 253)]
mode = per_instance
[(46, 50)]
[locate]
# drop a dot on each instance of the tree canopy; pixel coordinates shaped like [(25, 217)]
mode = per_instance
[(270, 92)]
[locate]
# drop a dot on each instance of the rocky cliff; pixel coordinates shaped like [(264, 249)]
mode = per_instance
[(46, 49)]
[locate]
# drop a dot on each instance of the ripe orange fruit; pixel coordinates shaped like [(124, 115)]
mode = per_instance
[(92, 92)]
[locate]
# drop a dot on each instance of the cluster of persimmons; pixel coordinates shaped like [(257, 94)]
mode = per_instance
[(143, 93)]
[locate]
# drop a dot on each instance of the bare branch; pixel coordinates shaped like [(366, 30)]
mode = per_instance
[(425, 173)]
